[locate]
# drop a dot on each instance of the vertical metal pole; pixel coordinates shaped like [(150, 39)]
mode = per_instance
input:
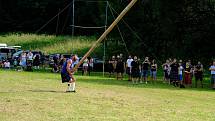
[(73, 23), (73, 17), (104, 58)]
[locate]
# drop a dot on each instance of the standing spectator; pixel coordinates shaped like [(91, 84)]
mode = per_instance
[(29, 61), (30, 55), (114, 61), (153, 71), (120, 69), (55, 66), (85, 67), (187, 74), (128, 67), (198, 74), (174, 72), (212, 69), (1, 63), (90, 68), (61, 62), (43, 59), (110, 66), (23, 60), (180, 74), (192, 70), (7, 64), (166, 70), (139, 78), (135, 70), (36, 61), (145, 69), (15, 63)]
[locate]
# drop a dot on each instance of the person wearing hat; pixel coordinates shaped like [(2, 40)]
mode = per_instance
[(67, 73)]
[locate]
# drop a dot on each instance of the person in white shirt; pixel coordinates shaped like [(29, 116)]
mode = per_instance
[(212, 69), (30, 56), (7, 64), (128, 67), (29, 60), (85, 67)]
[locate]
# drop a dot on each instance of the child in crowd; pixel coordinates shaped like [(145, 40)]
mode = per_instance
[(7, 64)]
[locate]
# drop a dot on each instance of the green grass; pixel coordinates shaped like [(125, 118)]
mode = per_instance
[(49, 43), (39, 96)]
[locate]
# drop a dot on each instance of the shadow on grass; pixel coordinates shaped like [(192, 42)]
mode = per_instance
[(51, 91)]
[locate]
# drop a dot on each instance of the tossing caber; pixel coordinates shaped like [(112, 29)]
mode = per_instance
[(67, 73)]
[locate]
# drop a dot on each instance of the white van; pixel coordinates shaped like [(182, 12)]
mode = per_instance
[(3, 45)]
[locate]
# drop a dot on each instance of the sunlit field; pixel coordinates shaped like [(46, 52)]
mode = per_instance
[(50, 44), (40, 96)]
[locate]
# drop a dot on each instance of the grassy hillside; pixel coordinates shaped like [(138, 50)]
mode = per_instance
[(25, 97), (51, 44)]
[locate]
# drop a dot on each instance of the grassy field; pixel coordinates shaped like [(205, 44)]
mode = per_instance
[(50, 44), (40, 96)]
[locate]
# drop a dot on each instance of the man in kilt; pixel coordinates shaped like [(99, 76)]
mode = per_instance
[(174, 73), (67, 74), (135, 70)]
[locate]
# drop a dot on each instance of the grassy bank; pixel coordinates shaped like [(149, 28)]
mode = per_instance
[(24, 97), (51, 44)]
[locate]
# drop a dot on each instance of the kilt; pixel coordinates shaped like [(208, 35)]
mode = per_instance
[(119, 70), (174, 76), (65, 77), (135, 73)]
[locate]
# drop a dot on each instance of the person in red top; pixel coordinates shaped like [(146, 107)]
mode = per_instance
[(187, 74)]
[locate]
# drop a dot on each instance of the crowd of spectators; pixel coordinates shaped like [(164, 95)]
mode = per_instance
[(178, 73)]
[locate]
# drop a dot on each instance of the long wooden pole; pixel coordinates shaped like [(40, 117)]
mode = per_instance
[(102, 37)]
